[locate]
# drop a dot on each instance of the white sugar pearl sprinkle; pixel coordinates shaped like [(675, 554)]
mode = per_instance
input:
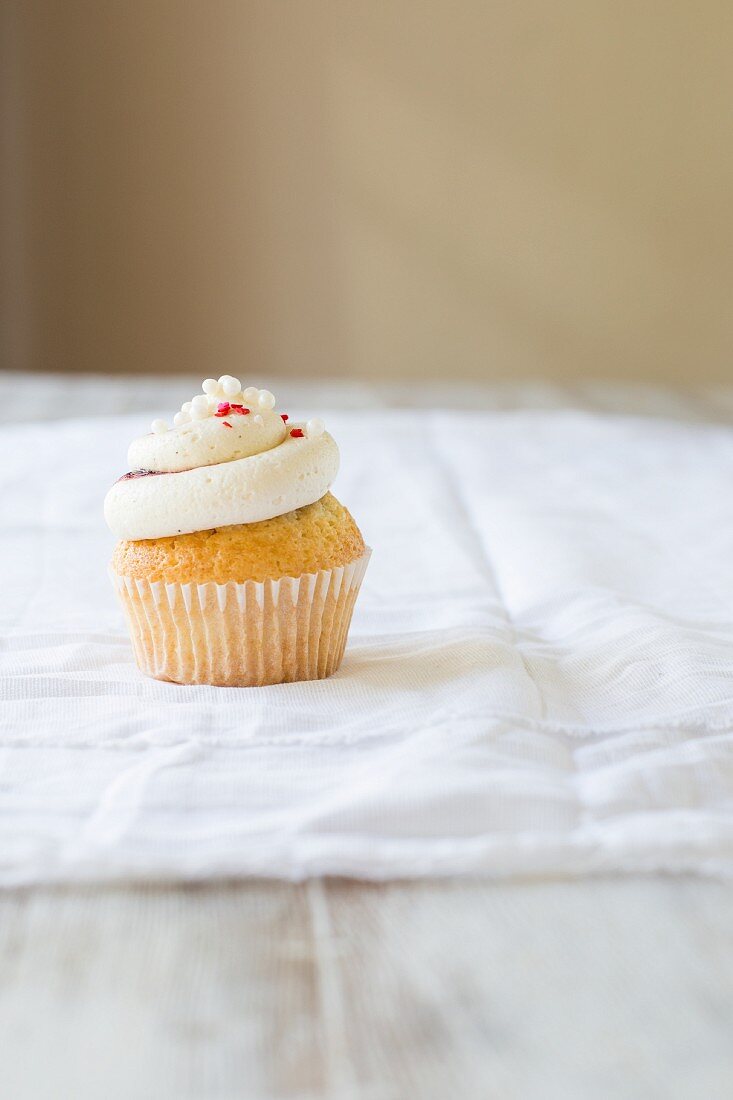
[(315, 427), (159, 426), (258, 419), (266, 400), (229, 384), (186, 407), (251, 394), (210, 385), (200, 407), (180, 419)]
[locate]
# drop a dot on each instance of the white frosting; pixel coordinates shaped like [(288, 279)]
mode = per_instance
[(219, 466), (208, 441), (297, 472)]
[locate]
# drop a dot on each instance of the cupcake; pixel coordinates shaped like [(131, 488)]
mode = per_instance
[(235, 564)]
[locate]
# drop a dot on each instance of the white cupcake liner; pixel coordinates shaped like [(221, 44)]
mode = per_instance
[(254, 633)]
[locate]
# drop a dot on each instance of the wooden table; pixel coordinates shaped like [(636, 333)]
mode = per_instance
[(338, 990)]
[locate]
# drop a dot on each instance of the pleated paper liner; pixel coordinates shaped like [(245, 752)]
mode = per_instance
[(242, 635)]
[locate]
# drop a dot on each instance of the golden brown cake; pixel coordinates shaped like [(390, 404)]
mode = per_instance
[(319, 536)]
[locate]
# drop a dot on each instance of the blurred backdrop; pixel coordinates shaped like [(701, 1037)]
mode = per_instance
[(357, 188)]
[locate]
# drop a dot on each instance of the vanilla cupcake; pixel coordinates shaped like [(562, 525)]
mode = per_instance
[(235, 564)]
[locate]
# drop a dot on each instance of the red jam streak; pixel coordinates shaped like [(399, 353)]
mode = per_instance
[(152, 473), (141, 473)]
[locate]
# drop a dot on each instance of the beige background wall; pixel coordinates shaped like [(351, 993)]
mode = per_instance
[(485, 189)]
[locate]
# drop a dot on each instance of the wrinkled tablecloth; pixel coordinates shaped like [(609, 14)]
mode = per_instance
[(539, 679)]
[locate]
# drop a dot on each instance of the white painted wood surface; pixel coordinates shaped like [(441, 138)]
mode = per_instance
[(621, 990)]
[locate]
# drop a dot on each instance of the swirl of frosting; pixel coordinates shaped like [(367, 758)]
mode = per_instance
[(206, 442), (231, 464)]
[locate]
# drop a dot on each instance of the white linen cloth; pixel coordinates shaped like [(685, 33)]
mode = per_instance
[(538, 679)]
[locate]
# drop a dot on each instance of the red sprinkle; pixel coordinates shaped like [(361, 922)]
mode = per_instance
[(240, 409), (226, 424), (224, 409), (285, 417), (297, 433)]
